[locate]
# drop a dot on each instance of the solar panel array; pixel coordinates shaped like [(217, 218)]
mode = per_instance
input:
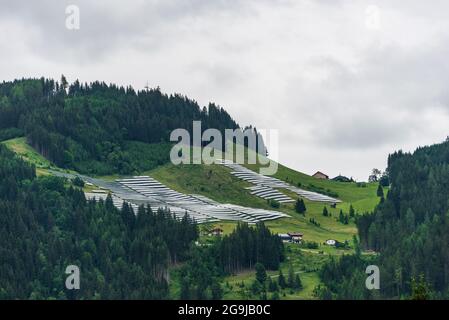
[(148, 191), (200, 208), (265, 186), (269, 194)]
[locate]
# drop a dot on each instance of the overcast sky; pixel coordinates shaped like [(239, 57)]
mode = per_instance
[(345, 82)]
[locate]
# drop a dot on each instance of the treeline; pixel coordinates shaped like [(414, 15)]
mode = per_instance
[(46, 226), (410, 226), (344, 279), (87, 127), (245, 248)]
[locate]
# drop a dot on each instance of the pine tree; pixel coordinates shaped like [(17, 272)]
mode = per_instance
[(341, 217), (281, 280), (325, 212), (291, 277), (351, 211), (420, 289), (380, 191), (185, 289), (261, 274), (272, 285), (300, 206), (217, 292), (297, 283)]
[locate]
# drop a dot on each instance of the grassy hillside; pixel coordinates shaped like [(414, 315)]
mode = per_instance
[(216, 182), (19, 146)]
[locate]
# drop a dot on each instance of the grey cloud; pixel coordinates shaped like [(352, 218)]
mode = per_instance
[(308, 68)]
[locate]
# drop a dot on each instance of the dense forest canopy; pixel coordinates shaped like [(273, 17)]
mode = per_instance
[(99, 128), (243, 249), (46, 226), (409, 230)]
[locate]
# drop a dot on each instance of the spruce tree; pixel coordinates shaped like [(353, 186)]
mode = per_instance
[(261, 274), (297, 282), (341, 217), (291, 277), (300, 206), (281, 280), (351, 211), (380, 191)]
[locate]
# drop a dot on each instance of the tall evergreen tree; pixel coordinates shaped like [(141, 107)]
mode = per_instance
[(300, 206), (380, 191)]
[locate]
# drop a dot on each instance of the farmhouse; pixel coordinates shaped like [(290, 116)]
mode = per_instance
[(320, 175), (217, 232), (285, 237), (296, 236)]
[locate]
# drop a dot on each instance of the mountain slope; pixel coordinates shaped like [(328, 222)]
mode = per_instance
[(88, 127), (112, 132)]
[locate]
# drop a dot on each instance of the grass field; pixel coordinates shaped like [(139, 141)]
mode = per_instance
[(19, 146), (216, 182)]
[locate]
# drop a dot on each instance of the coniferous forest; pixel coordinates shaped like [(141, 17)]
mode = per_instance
[(98, 128), (409, 231), (47, 226)]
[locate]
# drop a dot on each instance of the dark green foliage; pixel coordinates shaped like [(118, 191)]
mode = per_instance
[(314, 222), (274, 204), (351, 211), (300, 206), (409, 228), (261, 274), (291, 277), (297, 284), (281, 280), (246, 246), (343, 218), (272, 285), (275, 296), (45, 226), (322, 292), (325, 212), (384, 180), (78, 182), (380, 191), (420, 289), (328, 192), (345, 279), (10, 133), (200, 276), (256, 287), (89, 126), (309, 245), (342, 179), (217, 292)]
